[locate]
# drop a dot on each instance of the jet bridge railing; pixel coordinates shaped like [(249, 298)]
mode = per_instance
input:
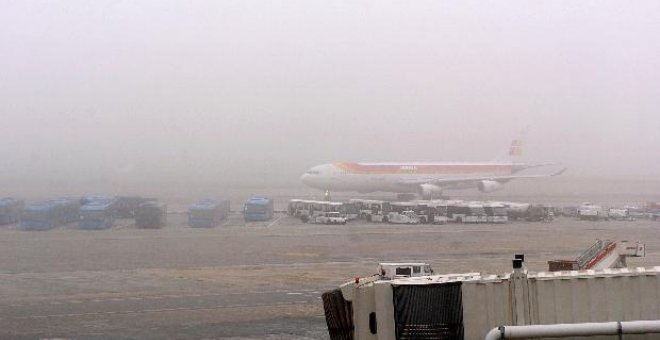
[(574, 329)]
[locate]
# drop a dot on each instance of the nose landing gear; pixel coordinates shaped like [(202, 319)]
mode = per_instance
[(326, 195)]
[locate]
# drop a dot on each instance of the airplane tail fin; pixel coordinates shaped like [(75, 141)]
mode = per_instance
[(515, 153), (515, 150)]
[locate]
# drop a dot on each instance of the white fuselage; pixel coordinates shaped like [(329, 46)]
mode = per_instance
[(399, 177)]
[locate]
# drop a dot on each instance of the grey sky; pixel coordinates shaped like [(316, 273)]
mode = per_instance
[(164, 89)]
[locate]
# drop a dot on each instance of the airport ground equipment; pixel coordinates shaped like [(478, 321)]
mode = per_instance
[(258, 208), (367, 207), (10, 210), (569, 211), (619, 214), (539, 213), (379, 212), (98, 213), (297, 207), (349, 211), (127, 205), (476, 214), (208, 213), (426, 210), (496, 213), (603, 254), (404, 217), (457, 211), (592, 212), (469, 305), (151, 214), (328, 218), (309, 210), (515, 210), (50, 214), (437, 212)]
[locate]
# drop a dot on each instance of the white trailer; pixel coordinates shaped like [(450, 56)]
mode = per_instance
[(477, 214), (496, 213), (619, 214), (405, 217), (593, 212), (331, 217)]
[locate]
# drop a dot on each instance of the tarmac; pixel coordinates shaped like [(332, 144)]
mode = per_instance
[(246, 281)]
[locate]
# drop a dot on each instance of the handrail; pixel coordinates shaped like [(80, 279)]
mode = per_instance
[(574, 329)]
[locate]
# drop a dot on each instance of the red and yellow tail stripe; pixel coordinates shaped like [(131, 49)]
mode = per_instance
[(425, 168)]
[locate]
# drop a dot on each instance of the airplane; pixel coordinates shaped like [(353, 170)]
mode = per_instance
[(427, 179)]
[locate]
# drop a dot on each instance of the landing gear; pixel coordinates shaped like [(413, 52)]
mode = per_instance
[(326, 196)]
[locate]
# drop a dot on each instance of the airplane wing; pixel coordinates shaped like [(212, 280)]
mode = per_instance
[(458, 180)]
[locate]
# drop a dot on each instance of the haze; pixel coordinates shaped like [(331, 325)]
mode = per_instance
[(206, 89)]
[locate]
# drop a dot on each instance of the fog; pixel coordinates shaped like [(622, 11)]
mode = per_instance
[(176, 90)]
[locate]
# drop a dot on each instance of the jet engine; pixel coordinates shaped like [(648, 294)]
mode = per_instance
[(428, 191), (489, 186)]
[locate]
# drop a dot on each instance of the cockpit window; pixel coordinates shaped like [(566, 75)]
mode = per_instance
[(313, 172)]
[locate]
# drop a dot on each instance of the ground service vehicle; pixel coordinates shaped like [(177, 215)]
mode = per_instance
[(515, 210), (438, 212), (349, 211), (570, 211), (619, 214), (590, 211), (296, 207), (379, 212), (151, 215), (456, 212), (477, 214), (496, 213), (331, 217), (10, 210), (50, 214), (405, 217), (364, 206), (208, 213), (98, 214), (432, 211), (258, 208), (539, 213), (306, 209)]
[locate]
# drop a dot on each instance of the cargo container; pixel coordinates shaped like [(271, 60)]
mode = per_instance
[(50, 214), (10, 210), (98, 213), (258, 208), (151, 214), (208, 213)]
